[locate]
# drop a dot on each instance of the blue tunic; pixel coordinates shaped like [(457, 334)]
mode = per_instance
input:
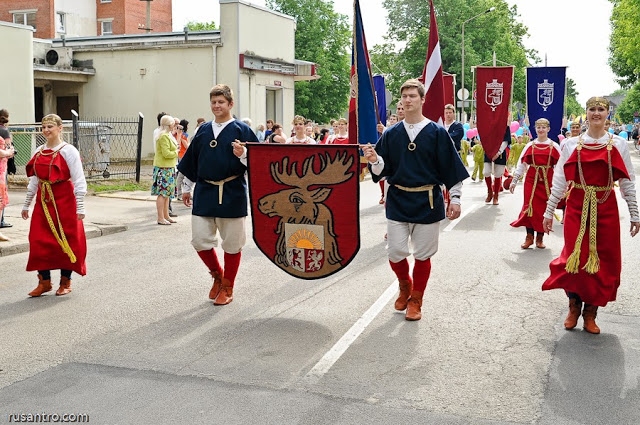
[(502, 159), (201, 162), (456, 131), (434, 161)]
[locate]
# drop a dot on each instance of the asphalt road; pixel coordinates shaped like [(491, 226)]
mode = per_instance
[(138, 342)]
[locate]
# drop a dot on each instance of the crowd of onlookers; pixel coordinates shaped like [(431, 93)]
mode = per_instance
[(303, 131)]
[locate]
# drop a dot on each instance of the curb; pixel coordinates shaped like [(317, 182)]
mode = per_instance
[(91, 231)]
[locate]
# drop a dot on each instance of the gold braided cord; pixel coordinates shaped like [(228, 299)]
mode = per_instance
[(57, 233), (538, 169), (608, 145), (590, 202)]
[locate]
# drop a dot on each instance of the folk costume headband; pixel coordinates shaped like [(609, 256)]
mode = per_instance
[(598, 101), (50, 119)]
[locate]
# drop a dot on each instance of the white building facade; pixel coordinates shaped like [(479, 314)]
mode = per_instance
[(120, 76)]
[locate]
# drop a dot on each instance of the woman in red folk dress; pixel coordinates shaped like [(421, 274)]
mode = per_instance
[(56, 234), (538, 159), (590, 263)]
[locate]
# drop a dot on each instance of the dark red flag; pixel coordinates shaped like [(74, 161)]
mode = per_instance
[(433, 107), (494, 88)]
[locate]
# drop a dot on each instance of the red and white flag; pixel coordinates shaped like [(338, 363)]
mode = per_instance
[(494, 87), (433, 107)]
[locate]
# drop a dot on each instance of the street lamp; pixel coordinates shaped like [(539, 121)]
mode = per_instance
[(491, 9)]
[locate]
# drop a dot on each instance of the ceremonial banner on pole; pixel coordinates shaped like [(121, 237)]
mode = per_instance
[(363, 112), (305, 206), (494, 86), (545, 97), (381, 97), (449, 89), (433, 107)]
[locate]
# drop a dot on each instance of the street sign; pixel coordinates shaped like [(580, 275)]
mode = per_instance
[(463, 94)]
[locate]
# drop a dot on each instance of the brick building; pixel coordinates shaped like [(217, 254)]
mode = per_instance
[(86, 18)]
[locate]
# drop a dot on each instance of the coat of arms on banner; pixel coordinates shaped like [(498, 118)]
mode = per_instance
[(304, 206), (493, 94), (545, 94)]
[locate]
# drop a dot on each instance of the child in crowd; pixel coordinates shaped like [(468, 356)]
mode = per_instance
[(478, 161)]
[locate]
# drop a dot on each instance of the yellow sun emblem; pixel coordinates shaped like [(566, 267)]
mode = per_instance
[(304, 238)]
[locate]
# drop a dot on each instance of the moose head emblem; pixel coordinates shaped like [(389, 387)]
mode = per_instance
[(306, 245)]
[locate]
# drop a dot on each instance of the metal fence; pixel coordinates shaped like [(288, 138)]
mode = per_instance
[(110, 148)]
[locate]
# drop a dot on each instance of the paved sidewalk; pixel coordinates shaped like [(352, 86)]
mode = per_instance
[(107, 213)]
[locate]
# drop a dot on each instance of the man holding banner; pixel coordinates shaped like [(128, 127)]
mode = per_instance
[(216, 162), (417, 157)]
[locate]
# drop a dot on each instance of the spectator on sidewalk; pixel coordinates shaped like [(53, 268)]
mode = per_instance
[(6, 152), (11, 166), (164, 170), (184, 145)]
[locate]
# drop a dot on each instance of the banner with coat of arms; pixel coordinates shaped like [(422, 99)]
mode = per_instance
[(305, 206), (545, 97), (494, 86)]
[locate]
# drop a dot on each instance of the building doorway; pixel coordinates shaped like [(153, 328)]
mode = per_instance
[(64, 106), (38, 101), (273, 105)]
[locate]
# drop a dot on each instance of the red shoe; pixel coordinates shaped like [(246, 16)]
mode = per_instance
[(65, 286), (405, 294), (414, 306), (43, 286), (225, 296), (217, 284)]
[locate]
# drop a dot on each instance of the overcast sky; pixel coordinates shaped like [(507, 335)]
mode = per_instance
[(569, 32)]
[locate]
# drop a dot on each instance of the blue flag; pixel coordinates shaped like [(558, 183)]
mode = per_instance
[(381, 97), (363, 112), (545, 97)]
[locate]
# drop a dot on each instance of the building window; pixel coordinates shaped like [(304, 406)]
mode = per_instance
[(25, 17), (105, 1), (106, 27), (61, 22)]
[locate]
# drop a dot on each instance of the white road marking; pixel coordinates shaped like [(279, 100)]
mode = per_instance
[(332, 356), (454, 223)]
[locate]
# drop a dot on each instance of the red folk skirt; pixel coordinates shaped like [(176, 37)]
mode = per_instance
[(47, 234), (602, 286)]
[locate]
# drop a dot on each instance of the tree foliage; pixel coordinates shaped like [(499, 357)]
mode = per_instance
[(201, 26), (625, 39), (624, 56), (630, 105), (571, 102), (323, 37), (497, 31)]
